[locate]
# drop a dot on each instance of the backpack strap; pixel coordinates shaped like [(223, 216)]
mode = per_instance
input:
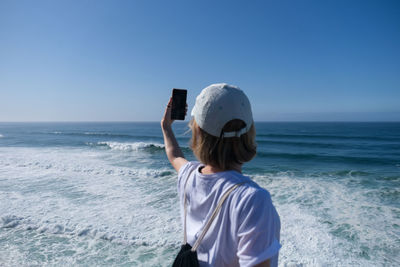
[(185, 209), (213, 216)]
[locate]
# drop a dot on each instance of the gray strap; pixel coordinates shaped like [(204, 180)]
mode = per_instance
[(235, 134), (210, 221)]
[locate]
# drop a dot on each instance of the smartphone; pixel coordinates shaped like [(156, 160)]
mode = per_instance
[(178, 110)]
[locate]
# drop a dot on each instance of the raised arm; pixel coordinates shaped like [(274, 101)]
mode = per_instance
[(174, 152)]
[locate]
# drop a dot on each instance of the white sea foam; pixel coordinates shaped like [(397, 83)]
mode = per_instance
[(82, 206), (135, 146), (327, 222), (76, 194), (1, 135)]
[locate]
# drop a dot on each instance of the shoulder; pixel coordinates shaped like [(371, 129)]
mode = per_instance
[(186, 170), (250, 190), (251, 194), (250, 198), (188, 167)]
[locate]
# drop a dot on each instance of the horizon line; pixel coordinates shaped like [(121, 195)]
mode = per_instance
[(256, 121)]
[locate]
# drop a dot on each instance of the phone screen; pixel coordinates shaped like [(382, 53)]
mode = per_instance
[(178, 104)]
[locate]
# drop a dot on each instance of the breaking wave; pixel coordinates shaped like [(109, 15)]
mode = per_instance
[(134, 146)]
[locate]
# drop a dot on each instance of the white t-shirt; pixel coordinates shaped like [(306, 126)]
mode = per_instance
[(247, 229)]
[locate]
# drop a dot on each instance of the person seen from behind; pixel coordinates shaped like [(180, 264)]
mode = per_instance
[(228, 219)]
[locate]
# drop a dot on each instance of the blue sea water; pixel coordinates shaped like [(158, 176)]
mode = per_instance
[(105, 194)]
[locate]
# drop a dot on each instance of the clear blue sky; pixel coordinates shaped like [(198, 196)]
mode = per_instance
[(118, 60)]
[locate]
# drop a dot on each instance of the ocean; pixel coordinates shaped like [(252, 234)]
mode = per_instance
[(104, 193)]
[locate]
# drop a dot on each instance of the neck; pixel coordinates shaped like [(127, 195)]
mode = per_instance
[(208, 169)]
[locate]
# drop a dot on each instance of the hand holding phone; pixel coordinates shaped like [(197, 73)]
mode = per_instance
[(178, 110)]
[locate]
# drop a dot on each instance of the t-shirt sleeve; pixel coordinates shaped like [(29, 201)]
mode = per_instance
[(259, 227)]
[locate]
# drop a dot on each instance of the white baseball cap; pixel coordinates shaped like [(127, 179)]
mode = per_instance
[(218, 104)]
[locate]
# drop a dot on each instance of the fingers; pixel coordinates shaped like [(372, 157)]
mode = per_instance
[(168, 109), (167, 114), (169, 105), (166, 120)]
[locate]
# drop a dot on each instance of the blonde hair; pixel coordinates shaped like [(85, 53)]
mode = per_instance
[(223, 153)]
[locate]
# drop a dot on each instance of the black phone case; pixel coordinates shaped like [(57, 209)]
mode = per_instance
[(178, 104)]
